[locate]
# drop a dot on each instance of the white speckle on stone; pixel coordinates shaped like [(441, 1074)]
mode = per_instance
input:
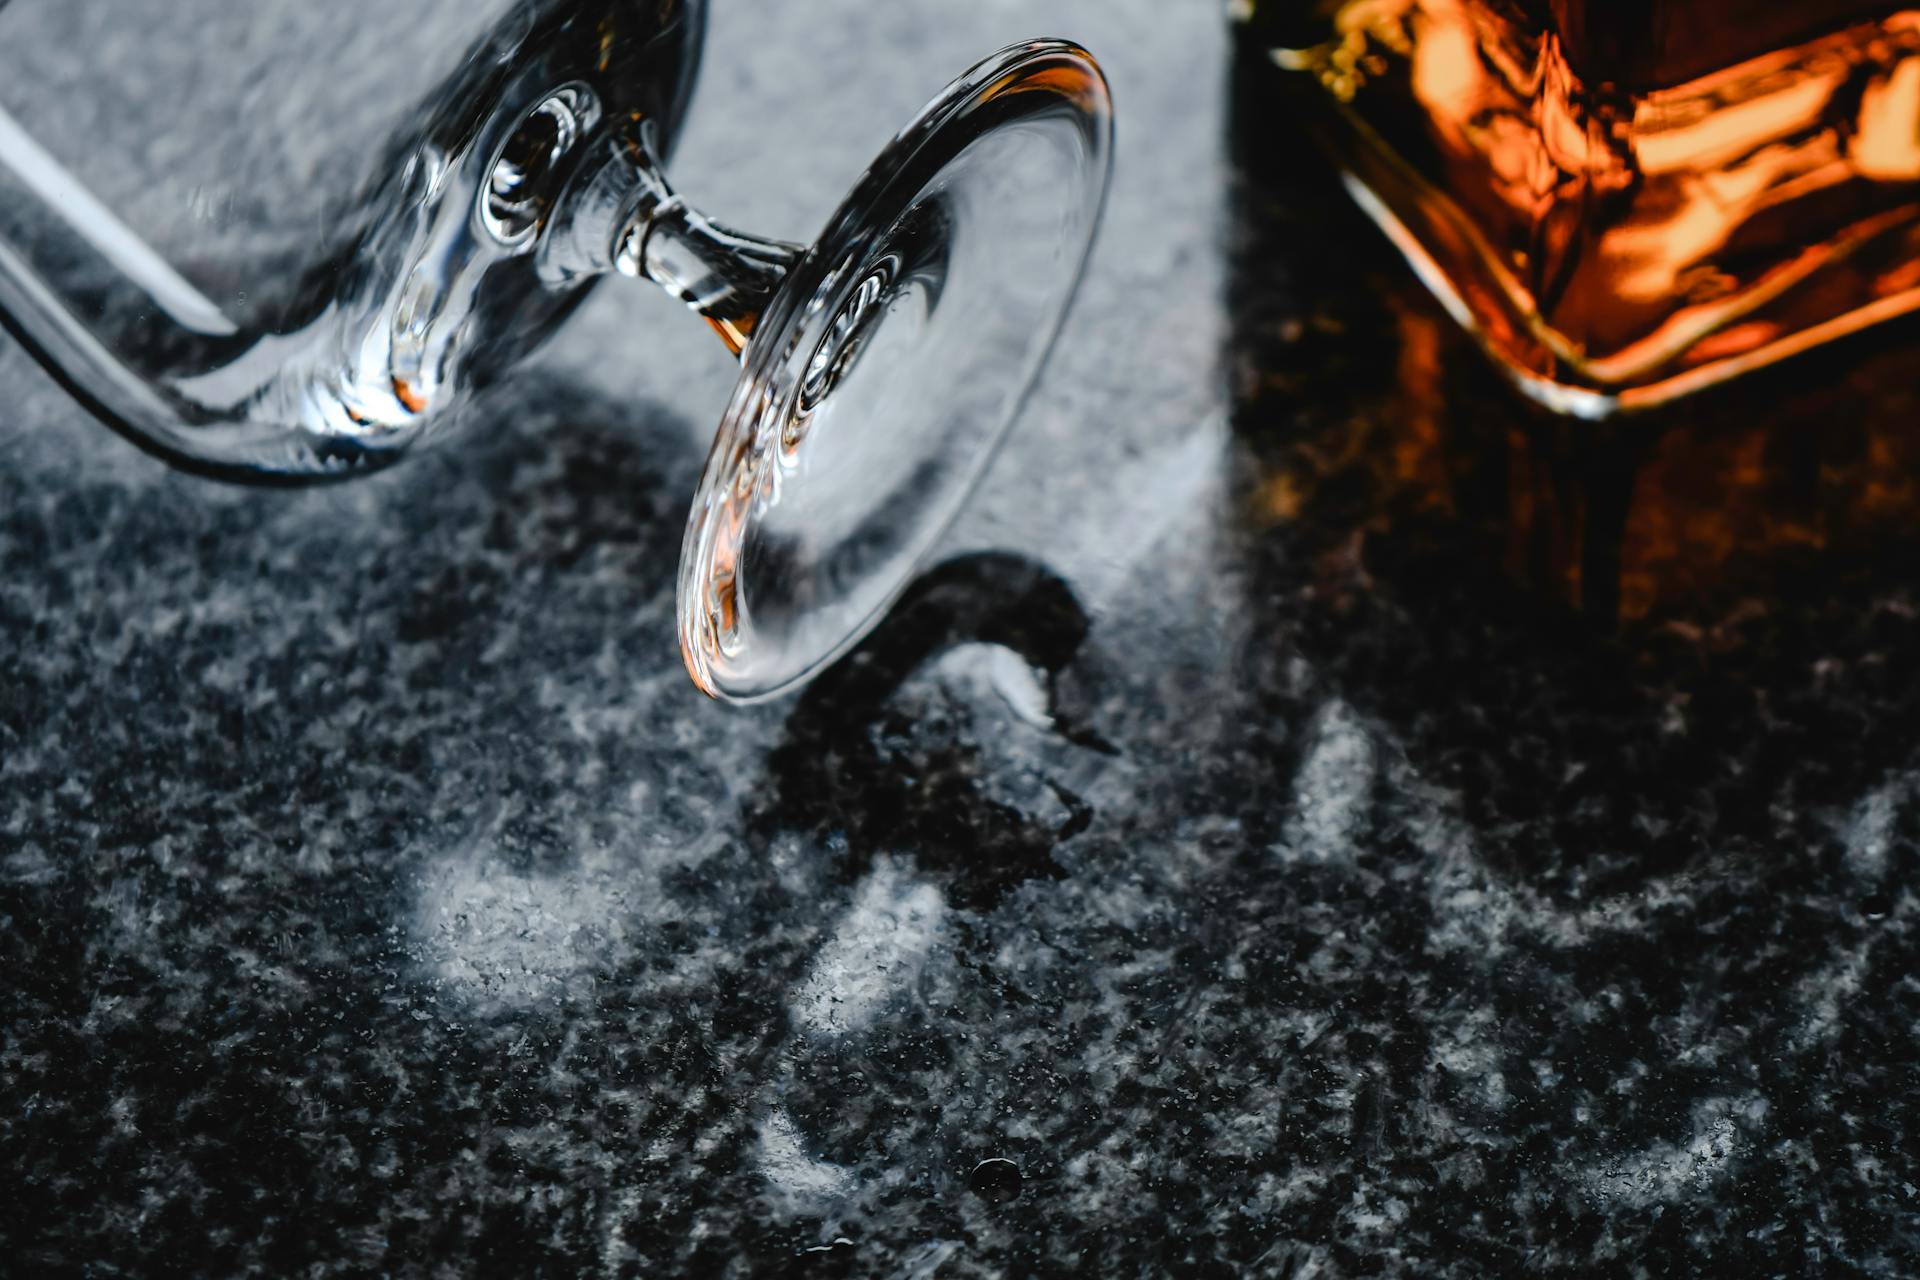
[(1826, 992), (613, 1242), (1468, 1051), (1868, 833), (929, 1261), (1665, 1173), (1363, 1217)]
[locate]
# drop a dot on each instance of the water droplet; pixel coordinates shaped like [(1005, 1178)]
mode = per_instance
[(995, 1181)]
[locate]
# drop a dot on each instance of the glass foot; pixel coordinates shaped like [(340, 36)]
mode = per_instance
[(882, 376)]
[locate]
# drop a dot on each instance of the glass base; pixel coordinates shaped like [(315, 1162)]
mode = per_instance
[(884, 374)]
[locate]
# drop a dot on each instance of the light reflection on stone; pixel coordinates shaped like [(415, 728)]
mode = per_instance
[(499, 936), (804, 1181), (875, 954)]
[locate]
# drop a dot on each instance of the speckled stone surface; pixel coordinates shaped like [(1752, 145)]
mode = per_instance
[(1219, 838)]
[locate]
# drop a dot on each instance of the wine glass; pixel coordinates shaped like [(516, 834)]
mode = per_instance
[(316, 316)]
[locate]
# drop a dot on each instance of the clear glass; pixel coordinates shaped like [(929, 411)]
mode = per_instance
[(1627, 203), (261, 300)]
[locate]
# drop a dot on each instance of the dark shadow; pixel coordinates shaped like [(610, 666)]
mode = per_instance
[(854, 767), (1622, 646)]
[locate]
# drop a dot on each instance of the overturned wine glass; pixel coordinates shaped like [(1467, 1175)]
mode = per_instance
[(319, 339)]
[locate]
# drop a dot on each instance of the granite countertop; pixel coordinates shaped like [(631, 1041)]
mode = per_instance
[(1234, 858)]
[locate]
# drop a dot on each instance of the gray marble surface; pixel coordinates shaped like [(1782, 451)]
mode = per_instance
[(1206, 872)]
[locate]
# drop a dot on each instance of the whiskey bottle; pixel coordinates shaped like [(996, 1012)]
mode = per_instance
[(1625, 201)]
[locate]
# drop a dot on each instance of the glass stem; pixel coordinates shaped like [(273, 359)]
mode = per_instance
[(620, 214)]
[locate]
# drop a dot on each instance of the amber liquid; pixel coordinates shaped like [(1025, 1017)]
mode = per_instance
[(1628, 202)]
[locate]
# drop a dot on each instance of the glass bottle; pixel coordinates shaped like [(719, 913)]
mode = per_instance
[(1626, 203)]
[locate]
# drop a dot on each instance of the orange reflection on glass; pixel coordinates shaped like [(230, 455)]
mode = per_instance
[(1615, 238)]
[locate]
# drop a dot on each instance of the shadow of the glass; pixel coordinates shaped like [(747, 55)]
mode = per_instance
[(855, 766), (1630, 644)]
